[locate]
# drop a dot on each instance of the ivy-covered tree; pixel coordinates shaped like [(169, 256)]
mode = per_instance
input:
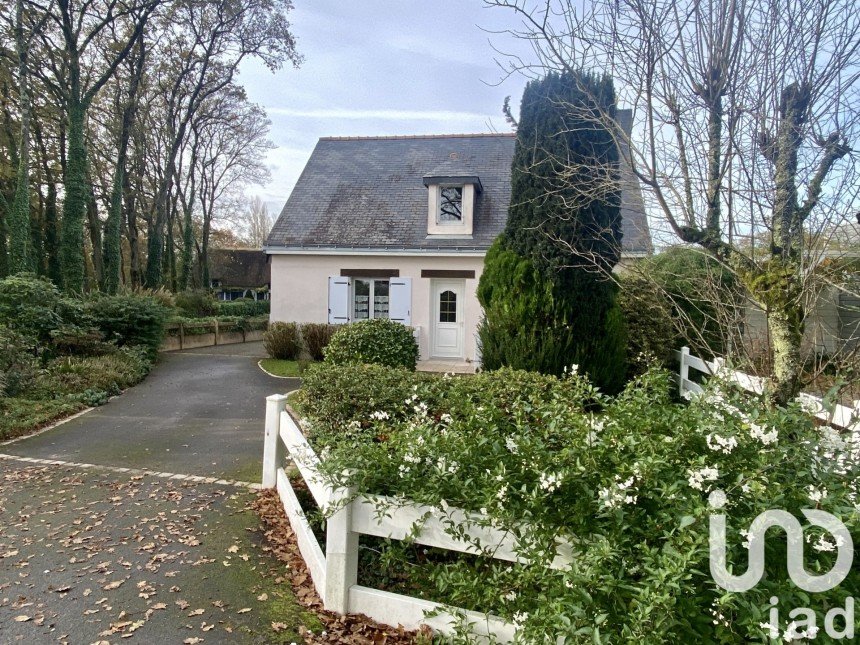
[(547, 299)]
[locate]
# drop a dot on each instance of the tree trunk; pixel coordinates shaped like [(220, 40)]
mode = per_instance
[(112, 252), (95, 227), (75, 202), (786, 335), (51, 231), (20, 251)]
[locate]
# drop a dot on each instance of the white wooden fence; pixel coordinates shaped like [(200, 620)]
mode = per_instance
[(840, 416), (335, 571)]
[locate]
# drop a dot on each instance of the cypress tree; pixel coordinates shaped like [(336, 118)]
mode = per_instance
[(547, 300)]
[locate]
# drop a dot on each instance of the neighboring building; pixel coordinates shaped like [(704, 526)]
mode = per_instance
[(239, 273), (398, 227)]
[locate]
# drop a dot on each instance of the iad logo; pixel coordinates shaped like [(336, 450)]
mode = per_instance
[(795, 545)]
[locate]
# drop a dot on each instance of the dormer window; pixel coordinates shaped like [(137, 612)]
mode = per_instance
[(451, 205)]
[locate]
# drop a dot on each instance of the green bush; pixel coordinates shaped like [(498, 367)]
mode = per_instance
[(244, 307), (19, 362), (531, 323), (702, 293), (30, 305), (282, 341), (130, 319), (335, 395), (626, 480), (109, 374), (377, 340), (651, 335), (196, 303), (316, 337)]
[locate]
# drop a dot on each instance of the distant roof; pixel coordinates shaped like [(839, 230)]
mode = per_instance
[(247, 268), (369, 193)]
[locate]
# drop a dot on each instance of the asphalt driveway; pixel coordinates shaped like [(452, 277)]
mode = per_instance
[(200, 412)]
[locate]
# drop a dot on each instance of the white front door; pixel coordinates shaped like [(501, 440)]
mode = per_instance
[(448, 318)]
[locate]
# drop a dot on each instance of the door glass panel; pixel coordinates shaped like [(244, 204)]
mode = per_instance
[(362, 299), (380, 299), (448, 307)]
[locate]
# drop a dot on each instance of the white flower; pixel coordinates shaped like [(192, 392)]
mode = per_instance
[(721, 444), (717, 499), (816, 494), (446, 418), (597, 424), (550, 482), (773, 630), (380, 415), (511, 596), (403, 470), (761, 433), (502, 493), (699, 477), (520, 618), (824, 544), (511, 445)]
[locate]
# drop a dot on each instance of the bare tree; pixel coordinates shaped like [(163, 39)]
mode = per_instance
[(256, 222), (746, 117)]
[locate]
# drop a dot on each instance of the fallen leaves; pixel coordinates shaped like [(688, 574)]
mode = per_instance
[(23, 618), (113, 585), (196, 612)]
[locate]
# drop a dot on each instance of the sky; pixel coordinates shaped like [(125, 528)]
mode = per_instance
[(381, 67)]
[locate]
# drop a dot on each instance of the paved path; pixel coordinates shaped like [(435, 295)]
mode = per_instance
[(200, 412), (98, 555)]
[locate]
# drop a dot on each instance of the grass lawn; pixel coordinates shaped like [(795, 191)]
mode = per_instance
[(278, 367)]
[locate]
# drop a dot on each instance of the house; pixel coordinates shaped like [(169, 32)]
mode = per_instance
[(239, 273), (398, 227)]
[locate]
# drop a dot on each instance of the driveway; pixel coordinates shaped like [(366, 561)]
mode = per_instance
[(127, 535), (200, 412)]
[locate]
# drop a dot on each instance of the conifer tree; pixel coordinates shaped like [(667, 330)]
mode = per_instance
[(545, 290)]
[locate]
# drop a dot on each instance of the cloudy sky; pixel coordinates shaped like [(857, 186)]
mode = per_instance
[(381, 67)]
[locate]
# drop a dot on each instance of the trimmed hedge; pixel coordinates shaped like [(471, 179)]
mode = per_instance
[(377, 340)]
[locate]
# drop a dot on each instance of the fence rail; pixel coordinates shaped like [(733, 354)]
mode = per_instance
[(334, 570), (837, 415), (206, 333)]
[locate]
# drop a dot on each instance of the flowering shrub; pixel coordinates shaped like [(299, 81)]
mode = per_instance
[(624, 480), (377, 340)]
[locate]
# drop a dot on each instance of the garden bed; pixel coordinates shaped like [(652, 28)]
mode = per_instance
[(625, 480)]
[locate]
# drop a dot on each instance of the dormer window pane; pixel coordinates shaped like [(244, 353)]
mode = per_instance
[(451, 204)]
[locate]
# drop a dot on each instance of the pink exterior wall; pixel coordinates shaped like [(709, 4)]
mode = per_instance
[(300, 288)]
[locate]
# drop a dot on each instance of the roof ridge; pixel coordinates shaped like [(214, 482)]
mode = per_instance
[(421, 136)]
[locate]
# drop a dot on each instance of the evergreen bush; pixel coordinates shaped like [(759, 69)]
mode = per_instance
[(651, 335), (196, 303), (701, 292), (377, 340), (130, 319)]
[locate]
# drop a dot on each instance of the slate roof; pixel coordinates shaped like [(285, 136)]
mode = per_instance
[(246, 268), (368, 193)]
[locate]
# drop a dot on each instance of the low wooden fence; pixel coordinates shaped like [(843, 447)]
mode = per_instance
[(334, 570), (839, 416), (207, 333)]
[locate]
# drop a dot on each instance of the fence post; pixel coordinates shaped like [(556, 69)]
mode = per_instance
[(341, 554), (683, 370), (273, 447), (181, 335), (216, 331)]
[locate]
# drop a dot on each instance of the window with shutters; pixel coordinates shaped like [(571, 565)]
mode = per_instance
[(370, 298)]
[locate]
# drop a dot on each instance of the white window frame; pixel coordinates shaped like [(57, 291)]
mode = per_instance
[(371, 311), (467, 209)]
